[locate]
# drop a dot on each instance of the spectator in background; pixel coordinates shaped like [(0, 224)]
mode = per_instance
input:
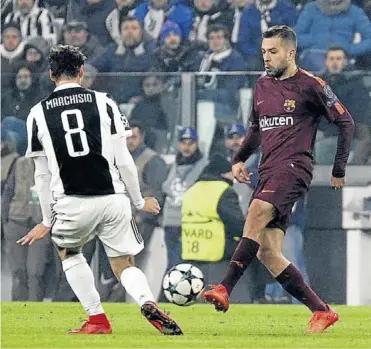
[(300, 4), (125, 8), (325, 23), (11, 49), (20, 211), (154, 13), (89, 78), (133, 54), (6, 8), (17, 128), (234, 135), (36, 51), (23, 93), (94, 14), (237, 7), (77, 34), (221, 57), (152, 173), (211, 206), (349, 88), (185, 171), (33, 20), (208, 13), (175, 53), (149, 112), (255, 20)]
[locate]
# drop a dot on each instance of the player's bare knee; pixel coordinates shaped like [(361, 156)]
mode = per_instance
[(119, 264), (261, 212)]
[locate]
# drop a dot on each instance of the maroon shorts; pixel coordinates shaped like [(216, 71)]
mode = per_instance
[(282, 189)]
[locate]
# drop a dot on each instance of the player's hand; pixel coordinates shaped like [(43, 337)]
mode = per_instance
[(37, 233), (239, 172), (337, 183), (151, 205)]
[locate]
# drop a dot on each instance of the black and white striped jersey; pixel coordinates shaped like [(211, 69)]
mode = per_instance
[(38, 22), (75, 128)]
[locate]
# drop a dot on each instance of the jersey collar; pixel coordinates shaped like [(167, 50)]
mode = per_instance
[(66, 85)]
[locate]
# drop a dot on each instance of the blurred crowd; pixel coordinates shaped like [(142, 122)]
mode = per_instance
[(137, 50)]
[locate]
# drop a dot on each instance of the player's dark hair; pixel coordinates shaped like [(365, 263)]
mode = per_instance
[(281, 31), (65, 60), (337, 48), (218, 28)]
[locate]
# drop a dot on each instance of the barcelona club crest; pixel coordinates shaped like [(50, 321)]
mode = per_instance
[(289, 105)]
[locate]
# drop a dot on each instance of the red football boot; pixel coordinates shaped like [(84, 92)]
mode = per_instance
[(97, 324), (321, 320), (159, 319), (217, 295)]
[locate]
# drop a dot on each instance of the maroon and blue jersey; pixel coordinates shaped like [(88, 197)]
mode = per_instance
[(284, 122)]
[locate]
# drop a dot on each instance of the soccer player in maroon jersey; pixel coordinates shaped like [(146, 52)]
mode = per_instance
[(287, 108)]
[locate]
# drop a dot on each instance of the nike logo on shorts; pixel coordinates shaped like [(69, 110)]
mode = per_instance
[(268, 191)]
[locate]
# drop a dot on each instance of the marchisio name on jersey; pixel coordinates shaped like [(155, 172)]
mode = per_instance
[(268, 123), (67, 100)]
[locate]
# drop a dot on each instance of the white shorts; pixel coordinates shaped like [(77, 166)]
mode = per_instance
[(77, 219)]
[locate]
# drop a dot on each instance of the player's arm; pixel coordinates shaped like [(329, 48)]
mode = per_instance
[(42, 180), (337, 114), (124, 161)]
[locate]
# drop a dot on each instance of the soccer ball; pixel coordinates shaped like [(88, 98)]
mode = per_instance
[(182, 284)]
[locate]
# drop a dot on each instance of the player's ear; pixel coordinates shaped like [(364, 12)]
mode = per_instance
[(81, 71), (292, 54), (51, 76)]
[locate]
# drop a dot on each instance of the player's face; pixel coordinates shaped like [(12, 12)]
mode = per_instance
[(135, 140), (233, 143), (277, 56), (11, 39), (335, 61), (131, 32), (187, 147), (172, 41)]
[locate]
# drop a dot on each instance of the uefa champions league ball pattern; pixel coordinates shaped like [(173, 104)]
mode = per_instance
[(182, 284)]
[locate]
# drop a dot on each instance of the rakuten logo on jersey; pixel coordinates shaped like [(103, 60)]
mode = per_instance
[(269, 123)]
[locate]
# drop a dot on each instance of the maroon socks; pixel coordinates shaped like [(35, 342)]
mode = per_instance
[(245, 253), (293, 282)]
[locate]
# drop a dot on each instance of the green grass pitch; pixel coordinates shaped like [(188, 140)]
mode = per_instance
[(44, 325)]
